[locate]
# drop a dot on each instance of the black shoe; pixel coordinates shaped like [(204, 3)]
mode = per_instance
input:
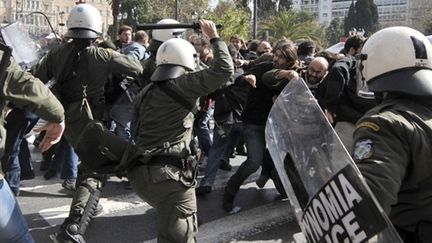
[(227, 201), (27, 175), (67, 234), (262, 180), (199, 191), (225, 166), (69, 184), (44, 165), (50, 174), (127, 185)]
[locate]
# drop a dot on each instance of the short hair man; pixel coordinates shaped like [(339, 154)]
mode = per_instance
[(341, 100), (142, 38)]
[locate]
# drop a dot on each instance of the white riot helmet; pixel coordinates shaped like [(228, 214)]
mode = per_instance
[(166, 34), (84, 22), (173, 58), (398, 59)]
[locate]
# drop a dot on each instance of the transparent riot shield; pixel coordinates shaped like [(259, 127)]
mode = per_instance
[(30, 41), (331, 199)]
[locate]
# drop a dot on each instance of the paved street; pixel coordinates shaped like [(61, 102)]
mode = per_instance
[(126, 218)]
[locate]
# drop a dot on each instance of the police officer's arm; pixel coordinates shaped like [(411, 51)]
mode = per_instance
[(205, 81), (381, 151), (121, 64), (29, 93)]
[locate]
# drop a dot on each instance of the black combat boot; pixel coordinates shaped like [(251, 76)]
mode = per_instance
[(68, 233)]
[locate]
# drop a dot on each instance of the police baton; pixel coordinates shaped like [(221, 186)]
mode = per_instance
[(194, 25)]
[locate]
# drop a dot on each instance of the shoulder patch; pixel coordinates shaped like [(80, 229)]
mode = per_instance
[(363, 149), (370, 125)]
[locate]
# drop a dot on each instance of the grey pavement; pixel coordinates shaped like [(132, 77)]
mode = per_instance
[(126, 218)]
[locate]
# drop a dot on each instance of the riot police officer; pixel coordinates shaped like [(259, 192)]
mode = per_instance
[(27, 92), (80, 71), (392, 142), (162, 127)]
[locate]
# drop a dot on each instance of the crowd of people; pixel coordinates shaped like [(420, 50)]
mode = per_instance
[(159, 92)]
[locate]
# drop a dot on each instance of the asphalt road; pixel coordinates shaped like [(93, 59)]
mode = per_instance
[(126, 218)]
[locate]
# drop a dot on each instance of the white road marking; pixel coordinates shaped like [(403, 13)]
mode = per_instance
[(55, 216)]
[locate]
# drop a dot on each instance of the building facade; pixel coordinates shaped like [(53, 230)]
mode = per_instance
[(390, 12), (57, 12)]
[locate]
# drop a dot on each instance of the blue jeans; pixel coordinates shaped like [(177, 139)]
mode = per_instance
[(13, 227), (65, 160), (121, 114), (203, 133), (18, 123), (254, 137), (234, 137), (218, 150)]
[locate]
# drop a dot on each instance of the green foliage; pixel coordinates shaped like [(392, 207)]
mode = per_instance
[(266, 8), (235, 19), (362, 15), (151, 11), (334, 31), (294, 26)]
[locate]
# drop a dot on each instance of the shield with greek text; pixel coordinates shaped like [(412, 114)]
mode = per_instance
[(331, 199)]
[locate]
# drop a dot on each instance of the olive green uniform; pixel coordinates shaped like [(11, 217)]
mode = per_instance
[(92, 70), (29, 93), (393, 150), (164, 126)]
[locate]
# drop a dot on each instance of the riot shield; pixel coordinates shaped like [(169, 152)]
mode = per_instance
[(29, 41), (331, 199)]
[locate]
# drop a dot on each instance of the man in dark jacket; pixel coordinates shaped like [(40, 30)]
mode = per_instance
[(259, 103), (342, 102)]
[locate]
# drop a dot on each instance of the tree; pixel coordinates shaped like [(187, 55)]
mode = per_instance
[(295, 26), (284, 5), (350, 19), (151, 11), (364, 16), (234, 18), (334, 31)]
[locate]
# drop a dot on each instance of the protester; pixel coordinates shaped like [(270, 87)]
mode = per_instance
[(259, 103), (342, 103)]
